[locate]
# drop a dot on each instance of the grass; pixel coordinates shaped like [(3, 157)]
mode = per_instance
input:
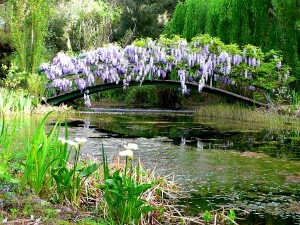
[(244, 114)]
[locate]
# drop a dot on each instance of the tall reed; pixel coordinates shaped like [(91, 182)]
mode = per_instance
[(294, 98), (49, 168), (244, 114), (7, 134), (15, 101), (42, 150)]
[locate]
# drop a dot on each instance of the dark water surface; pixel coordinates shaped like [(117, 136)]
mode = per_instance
[(221, 163)]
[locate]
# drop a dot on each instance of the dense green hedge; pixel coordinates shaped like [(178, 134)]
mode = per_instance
[(270, 24)]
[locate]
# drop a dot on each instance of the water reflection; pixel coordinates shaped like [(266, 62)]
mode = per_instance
[(200, 145)]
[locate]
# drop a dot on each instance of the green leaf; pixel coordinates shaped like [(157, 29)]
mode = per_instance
[(147, 208), (14, 180), (207, 216), (112, 182), (141, 189), (232, 214), (89, 170)]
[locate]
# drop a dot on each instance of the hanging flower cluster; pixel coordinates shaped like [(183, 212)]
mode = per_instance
[(203, 60)]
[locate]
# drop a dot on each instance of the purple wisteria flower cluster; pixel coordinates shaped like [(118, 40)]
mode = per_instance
[(199, 61)]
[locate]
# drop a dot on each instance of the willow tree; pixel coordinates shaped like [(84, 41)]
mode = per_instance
[(270, 24), (195, 18), (28, 22), (176, 25)]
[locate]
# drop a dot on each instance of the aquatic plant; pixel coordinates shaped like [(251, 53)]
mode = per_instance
[(42, 151), (123, 193), (47, 164), (69, 179), (220, 216)]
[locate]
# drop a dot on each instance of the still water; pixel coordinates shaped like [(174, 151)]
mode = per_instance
[(221, 163)]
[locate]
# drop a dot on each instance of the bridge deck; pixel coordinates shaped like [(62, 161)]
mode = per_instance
[(71, 96)]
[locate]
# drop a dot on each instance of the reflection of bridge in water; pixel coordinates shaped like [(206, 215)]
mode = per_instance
[(71, 96)]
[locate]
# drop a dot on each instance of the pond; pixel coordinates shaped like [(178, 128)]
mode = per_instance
[(221, 163)]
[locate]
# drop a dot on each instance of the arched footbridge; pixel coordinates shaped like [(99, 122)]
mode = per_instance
[(71, 96)]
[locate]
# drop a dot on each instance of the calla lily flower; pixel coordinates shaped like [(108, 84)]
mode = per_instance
[(73, 143), (62, 140), (81, 140), (128, 153), (131, 146)]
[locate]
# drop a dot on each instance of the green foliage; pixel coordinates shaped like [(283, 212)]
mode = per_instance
[(163, 97), (140, 42), (216, 45), (207, 216), (15, 102), (69, 180), (42, 151), (15, 77), (84, 25), (112, 95), (47, 158), (224, 217), (295, 98), (240, 113), (140, 95), (195, 18), (28, 25), (176, 26), (36, 85), (232, 215), (266, 76), (7, 132), (122, 193), (140, 19)]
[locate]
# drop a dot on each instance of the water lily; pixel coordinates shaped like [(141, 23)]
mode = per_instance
[(81, 140), (130, 146), (128, 153)]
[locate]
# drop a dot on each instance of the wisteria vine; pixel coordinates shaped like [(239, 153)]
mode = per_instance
[(203, 60)]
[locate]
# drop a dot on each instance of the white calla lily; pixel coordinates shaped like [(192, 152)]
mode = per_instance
[(62, 140), (81, 140), (73, 143), (130, 146), (128, 153)]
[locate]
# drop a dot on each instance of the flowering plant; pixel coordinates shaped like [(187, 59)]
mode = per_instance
[(122, 192), (69, 181), (204, 60)]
